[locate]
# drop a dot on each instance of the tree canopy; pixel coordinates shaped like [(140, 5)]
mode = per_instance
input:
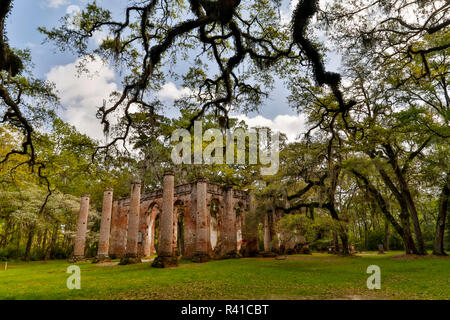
[(375, 154)]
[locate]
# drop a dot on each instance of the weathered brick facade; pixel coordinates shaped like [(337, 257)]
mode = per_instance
[(105, 226), (80, 239), (176, 221)]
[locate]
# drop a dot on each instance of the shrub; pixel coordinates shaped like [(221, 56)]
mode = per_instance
[(375, 238), (396, 242), (11, 252), (320, 245)]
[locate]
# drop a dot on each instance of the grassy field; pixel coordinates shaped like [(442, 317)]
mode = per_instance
[(320, 276)]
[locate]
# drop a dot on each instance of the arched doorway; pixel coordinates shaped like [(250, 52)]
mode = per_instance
[(215, 215), (147, 230), (178, 231), (239, 212), (153, 230)]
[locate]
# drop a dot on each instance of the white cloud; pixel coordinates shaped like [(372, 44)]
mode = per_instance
[(169, 91), (73, 12), (55, 3), (73, 9), (286, 15), (291, 125), (81, 95), (99, 36)]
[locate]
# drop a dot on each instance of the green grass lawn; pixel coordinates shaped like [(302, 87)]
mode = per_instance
[(320, 276)]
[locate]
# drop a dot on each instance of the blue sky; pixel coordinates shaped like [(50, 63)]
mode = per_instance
[(81, 97)]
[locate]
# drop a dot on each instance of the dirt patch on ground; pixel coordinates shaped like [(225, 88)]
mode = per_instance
[(116, 263), (107, 264), (281, 258), (416, 256), (313, 258)]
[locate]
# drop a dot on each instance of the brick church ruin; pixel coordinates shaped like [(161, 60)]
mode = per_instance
[(196, 221)]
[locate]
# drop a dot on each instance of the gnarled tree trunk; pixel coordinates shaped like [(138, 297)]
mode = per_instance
[(440, 222), (403, 228), (29, 243), (406, 198), (386, 236)]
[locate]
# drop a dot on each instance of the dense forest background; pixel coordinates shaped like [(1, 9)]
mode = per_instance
[(372, 167)]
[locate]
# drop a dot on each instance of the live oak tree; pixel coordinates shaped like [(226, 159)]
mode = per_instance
[(25, 102), (392, 50), (33, 231), (154, 33), (245, 40), (377, 133)]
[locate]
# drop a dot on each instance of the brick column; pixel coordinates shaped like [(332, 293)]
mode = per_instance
[(80, 239), (229, 236), (190, 225), (105, 226), (122, 226), (203, 241), (166, 255), (114, 230), (131, 255)]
